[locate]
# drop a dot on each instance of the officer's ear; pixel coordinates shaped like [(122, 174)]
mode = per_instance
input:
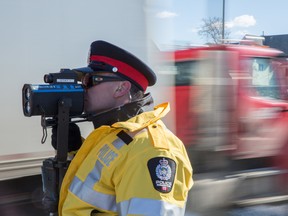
[(122, 89)]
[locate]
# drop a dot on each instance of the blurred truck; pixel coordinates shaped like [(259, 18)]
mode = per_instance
[(231, 105), (47, 42)]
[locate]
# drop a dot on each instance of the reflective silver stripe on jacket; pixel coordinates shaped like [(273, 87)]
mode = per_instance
[(88, 195), (84, 189), (149, 207)]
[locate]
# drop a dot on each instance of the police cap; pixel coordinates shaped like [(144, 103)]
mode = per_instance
[(106, 57)]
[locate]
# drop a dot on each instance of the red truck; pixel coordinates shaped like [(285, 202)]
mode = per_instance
[(231, 105)]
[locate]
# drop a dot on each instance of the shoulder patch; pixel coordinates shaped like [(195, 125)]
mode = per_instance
[(162, 171)]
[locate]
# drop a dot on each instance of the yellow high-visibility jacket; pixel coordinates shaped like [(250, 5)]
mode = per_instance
[(136, 167)]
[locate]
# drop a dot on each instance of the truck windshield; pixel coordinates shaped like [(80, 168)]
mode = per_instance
[(267, 77)]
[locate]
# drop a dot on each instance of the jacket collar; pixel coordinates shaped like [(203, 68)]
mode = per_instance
[(144, 119)]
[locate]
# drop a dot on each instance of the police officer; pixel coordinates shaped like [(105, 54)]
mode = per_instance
[(130, 164)]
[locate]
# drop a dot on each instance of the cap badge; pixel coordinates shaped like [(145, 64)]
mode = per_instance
[(114, 69)]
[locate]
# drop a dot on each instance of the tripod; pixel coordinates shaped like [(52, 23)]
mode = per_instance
[(54, 169)]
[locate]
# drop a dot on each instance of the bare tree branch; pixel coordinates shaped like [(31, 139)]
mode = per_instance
[(212, 29)]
